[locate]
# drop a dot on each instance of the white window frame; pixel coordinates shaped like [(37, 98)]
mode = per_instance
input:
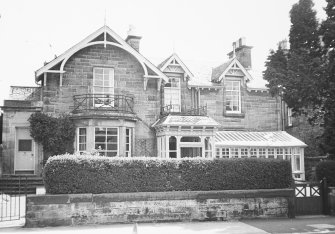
[(130, 143), (103, 87), (176, 107), (78, 139), (106, 150), (232, 90)]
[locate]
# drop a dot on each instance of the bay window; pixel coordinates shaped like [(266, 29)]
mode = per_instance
[(106, 141)]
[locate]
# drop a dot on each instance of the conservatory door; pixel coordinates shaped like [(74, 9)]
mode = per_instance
[(24, 159)]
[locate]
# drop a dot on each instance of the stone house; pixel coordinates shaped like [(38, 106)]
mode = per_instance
[(124, 105)]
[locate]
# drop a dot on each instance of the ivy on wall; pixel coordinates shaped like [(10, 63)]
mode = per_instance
[(56, 134)]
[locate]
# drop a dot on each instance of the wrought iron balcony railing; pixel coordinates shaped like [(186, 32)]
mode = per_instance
[(103, 102), (175, 110)]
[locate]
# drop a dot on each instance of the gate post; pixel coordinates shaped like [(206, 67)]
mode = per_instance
[(324, 195), (291, 205)]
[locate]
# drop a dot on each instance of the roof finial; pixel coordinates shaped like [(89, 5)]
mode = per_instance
[(105, 36)]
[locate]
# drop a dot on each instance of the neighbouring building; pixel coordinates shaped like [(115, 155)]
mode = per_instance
[(124, 105)]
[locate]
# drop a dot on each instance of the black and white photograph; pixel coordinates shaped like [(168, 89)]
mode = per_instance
[(167, 116)]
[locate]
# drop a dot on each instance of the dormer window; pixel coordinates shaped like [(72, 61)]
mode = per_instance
[(172, 94), (233, 96)]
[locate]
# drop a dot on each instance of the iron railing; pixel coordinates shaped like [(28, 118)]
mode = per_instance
[(175, 110), (13, 193), (103, 102)]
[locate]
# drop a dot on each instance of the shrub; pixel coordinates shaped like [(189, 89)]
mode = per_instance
[(326, 169), (56, 134), (97, 174)]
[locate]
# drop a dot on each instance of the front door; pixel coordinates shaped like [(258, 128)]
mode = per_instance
[(24, 152)]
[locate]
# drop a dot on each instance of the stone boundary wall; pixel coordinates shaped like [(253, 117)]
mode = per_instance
[(84, 209)]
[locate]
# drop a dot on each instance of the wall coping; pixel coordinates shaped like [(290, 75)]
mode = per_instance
[(152, 196)]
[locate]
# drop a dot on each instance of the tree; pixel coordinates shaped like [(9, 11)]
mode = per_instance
[(328, 37), (304, 66), (297, 73), (276, 72)]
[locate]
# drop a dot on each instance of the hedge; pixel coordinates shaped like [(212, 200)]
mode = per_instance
[(326, 169), (96, 174)]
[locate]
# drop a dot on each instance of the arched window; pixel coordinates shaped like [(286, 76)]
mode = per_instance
[(173, 147)]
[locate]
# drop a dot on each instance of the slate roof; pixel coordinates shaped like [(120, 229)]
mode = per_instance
[(260, 139), (217, 71), (178, 120)]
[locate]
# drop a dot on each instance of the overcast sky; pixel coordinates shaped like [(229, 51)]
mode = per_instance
[(34, 31)]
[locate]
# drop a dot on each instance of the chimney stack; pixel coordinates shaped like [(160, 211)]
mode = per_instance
[(133, 39), (242, 52)]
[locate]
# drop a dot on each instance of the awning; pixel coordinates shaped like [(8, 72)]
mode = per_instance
[(195, 121), (258, 139)]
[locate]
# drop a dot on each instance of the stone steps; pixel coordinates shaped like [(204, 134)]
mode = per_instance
[(18, 184)]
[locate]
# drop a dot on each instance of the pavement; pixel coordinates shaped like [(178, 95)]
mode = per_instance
[(302, 224)]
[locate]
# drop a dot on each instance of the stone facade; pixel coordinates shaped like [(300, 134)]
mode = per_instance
[(135, 103), (84, 209)]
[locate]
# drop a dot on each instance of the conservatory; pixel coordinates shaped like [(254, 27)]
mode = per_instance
[(276, 145)]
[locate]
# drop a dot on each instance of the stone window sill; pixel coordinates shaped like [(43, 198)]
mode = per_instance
[(234, 115)]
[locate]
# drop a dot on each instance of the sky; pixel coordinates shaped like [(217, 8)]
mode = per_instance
[(199, 31)]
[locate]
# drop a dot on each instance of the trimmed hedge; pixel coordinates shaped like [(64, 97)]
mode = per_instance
[(326, 169), (96, 174)]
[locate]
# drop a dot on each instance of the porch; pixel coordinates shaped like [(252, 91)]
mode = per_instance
[(185, 136)]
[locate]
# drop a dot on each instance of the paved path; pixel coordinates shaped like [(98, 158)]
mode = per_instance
[(301, 224), (147, 228)]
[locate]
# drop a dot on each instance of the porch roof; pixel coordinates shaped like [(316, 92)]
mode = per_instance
[(177, 120), (261, 139)]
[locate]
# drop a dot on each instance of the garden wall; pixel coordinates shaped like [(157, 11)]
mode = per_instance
[(83, 209)]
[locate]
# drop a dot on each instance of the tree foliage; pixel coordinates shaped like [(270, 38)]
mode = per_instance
[(327, 31), (304, 76), (56, 134)]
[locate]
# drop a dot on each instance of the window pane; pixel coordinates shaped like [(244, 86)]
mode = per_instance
[(253, 153), (82, 147), (112, 139), (100, 146), (111, 154), (25, 145), (297, 162), (112, 131), (82, 131), (244, 153), (111, 146), (82, 139), (100, 139), (98, 71), (100, 131)]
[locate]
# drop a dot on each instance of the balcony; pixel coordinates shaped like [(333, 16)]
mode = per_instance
[(103, 104), (175, 110)]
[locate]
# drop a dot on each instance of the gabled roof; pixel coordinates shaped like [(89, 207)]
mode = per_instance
[(257, 139), (219, 72), (163, 65), (110, 38)]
